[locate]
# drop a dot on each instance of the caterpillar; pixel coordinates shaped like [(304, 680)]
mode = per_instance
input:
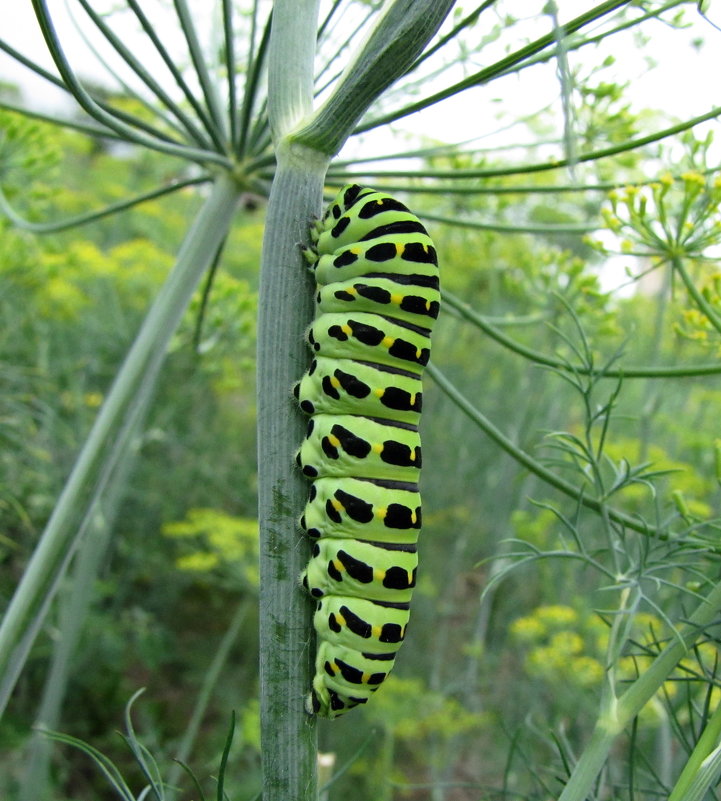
[(377, 299)]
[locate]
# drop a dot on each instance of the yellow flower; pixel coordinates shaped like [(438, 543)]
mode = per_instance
[(693, 178), (556, 615), (198, 562), (93, 399), (587, 671), (527, 629), (567, 643)]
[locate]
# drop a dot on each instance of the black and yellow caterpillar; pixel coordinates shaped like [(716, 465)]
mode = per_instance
[(377, 299)]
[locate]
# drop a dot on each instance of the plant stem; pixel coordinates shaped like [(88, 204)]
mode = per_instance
[(596, 504), (141, 367), (288, 733), (210, 680), (83, 219), (618, 712), (285, 307), (489, 73), (698, 298), (78, 596), (707, 742), (486, 325)]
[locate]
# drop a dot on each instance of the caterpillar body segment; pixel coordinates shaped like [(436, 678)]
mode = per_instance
[(360, 388), (363, 509)]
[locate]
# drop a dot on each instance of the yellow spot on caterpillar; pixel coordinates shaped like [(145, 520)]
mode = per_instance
[(388, 342), (351, 290), (334, 441), (365, 678), (378, 392), (338, 565), (356, 251), (346, 329), (340, 620), (379, 575), (414, 517), (337, 505), (397, 299), (412, 456), (334, 382), (400, 247), (376, 632), (381, 512), (334, 668), (377, 447), (418, 353)]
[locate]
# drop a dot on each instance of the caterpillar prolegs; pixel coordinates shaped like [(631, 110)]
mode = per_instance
[(377, 299)]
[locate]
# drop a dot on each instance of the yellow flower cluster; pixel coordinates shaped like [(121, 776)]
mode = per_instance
[(559, 640), (567, 647), (217, 540), (671, 217)]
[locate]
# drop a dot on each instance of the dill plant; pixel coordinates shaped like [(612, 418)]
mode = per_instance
[(282, 145)]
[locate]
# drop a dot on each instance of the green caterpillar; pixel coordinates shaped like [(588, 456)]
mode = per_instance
[(377, 275)]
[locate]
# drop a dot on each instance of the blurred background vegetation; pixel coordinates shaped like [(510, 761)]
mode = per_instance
[(497, 685)]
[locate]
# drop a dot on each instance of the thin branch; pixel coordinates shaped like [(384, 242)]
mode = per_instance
[(212, 101), (328, 17), (698, 298), (483, 323), (57, 82), (111, 119), (74, 125), (229, 38), (567, 228), (31, 65), (512, 189), (83, 219), (487, 74), (254, 71), (599, 506), (553, 164), (349, 36), (573, 44), (136, 66), (171, 65)]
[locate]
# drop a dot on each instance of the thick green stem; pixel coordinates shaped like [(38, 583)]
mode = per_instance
[(285, 308), (141, 367), (288, 733)]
